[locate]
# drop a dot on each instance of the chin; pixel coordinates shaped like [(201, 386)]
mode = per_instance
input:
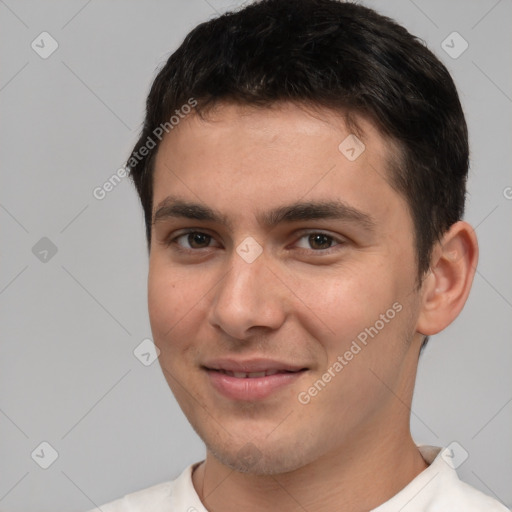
[(261, 458)]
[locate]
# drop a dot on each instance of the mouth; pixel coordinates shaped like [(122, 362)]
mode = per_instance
[(251, 380), (254, 375)]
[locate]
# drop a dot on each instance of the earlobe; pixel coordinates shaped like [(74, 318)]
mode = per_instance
[(446, 287)]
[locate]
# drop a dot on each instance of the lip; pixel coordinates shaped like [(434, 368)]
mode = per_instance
[(251, 388), (251, 365)]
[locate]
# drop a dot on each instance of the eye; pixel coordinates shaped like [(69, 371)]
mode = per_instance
[(318, 241), (191, 240)]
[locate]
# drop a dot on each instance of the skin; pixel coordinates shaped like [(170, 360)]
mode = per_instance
[(299, 302)]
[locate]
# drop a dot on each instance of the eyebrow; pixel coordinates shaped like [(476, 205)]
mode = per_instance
[(174, 207)]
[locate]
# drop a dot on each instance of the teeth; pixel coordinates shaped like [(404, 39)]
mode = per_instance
[(253, 375)]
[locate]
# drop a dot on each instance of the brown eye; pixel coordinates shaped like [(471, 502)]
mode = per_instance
[(198, 240), (191, 241), (320, 241), (317, 241)]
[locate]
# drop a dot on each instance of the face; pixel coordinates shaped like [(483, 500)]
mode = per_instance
[(281, 284)]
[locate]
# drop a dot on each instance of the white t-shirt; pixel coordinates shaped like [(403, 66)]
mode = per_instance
[(436, 489)]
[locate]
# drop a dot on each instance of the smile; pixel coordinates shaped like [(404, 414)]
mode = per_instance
[(251, 386), (253, 375)]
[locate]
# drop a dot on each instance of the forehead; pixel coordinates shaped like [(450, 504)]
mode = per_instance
[(281, 123), (239, 158)]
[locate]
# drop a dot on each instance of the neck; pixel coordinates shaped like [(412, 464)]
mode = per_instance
[(361, 475)]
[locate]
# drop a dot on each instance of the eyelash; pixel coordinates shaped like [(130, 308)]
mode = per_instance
[(172, 241)]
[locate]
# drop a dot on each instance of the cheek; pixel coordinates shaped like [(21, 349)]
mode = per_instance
[(162, 304), (365, 315), (174, 305), (342, 303), (172, 302)]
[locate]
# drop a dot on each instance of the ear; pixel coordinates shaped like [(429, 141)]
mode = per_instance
[(446, 287)]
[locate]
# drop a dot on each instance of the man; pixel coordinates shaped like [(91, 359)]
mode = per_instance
[(302, 171)]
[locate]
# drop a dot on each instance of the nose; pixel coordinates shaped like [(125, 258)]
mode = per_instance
[(249, 298)]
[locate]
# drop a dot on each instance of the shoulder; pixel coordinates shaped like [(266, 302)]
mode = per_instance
[(145, 499), (455, 494), (466, 498), (438, 488), (449, 492), (173, 495)]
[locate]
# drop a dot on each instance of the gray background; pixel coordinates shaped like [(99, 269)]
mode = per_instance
[(70, 324)]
